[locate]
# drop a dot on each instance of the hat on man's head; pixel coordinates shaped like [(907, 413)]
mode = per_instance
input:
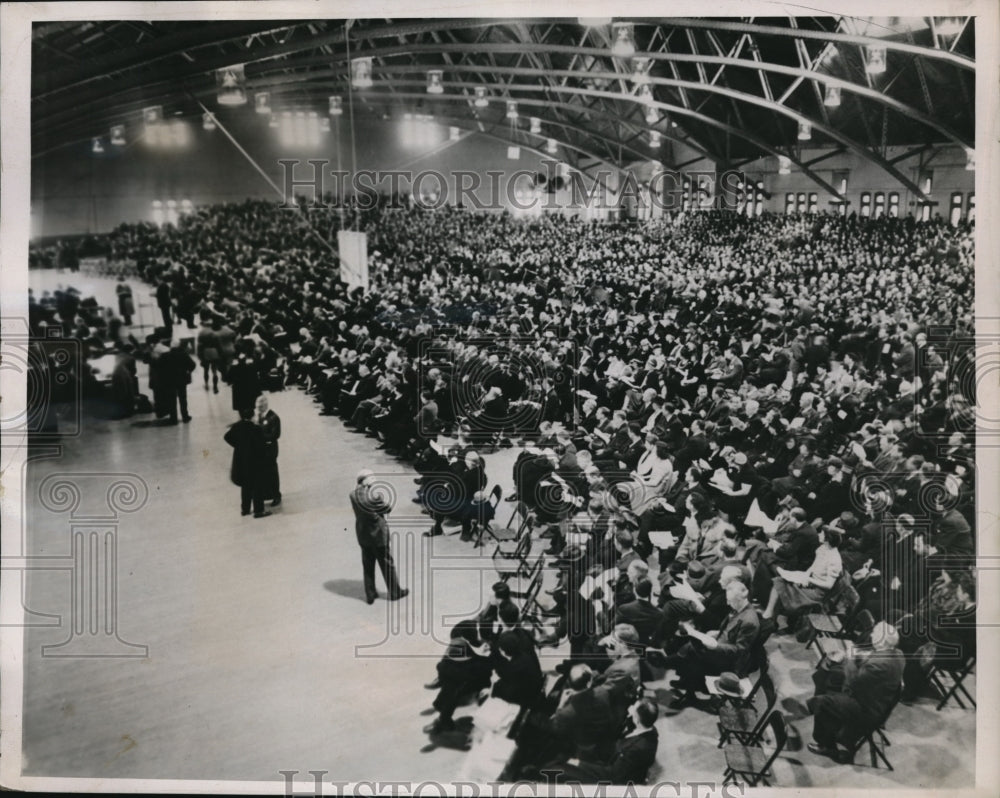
[(696, 569)]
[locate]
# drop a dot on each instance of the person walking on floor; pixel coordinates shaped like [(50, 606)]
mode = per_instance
[(372, 529), (247, 440)]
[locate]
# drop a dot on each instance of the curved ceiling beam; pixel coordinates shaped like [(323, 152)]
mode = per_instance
[(670, 108), (837, 136), (801, 33), (517, 49), (98, 67), (113, 113), (213, 62), (740, 63)]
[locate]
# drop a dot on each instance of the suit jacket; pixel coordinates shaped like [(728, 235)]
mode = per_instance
[(737, 634), (520, 680), (643, 616), (370, 523), (589, 723), (874, 680), (247, 441), (633, 757)]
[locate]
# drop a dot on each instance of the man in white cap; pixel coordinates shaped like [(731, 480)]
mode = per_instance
[(372, 528)]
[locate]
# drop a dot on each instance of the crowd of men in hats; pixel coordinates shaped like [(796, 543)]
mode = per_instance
[(788, 412)]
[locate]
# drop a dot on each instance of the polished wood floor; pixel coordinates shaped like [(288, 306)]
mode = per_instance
[(262, 655)]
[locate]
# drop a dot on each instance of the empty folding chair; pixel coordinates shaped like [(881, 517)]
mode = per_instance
[(510, 558), (487, 527), (752, 762)]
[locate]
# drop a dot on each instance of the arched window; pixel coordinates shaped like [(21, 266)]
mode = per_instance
[(879, 204), (759, 199), (813, 202), (894, 204), (789, 202), (970, 214)]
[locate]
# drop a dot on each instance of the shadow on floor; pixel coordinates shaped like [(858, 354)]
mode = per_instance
[(349, 588)]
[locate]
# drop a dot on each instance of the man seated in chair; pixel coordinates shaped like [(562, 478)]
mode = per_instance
[(634, 753), (712, 653), (464, 669), (854, 695)]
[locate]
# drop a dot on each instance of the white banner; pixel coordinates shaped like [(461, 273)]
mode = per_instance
[(353, 249)]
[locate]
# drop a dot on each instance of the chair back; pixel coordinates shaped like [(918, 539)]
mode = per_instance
[(769, 692), (495, 495), (779, 731)]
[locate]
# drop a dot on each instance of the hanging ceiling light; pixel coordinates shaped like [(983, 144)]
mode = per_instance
[(481, 100), (831, 99), (208, 121), (434, 81), (624, 45), (96, 147), (536, 125), (152, 115), (646, 95), (805, 131), (511, 109), (361, 73), (652, 115), (118, 135), (551, 146), (949, 26), (262, 102), (513, 153), (231, 85), (640, 70), (784, 165), (336, 106), (875, 62), (654, 138)]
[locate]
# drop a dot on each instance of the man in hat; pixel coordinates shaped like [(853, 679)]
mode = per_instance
[(372, 529)]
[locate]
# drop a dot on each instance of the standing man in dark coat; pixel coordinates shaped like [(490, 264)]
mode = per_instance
[(372, 529), (247, 441), (245, 382), (270, 425), (177, 366), (163, 301)]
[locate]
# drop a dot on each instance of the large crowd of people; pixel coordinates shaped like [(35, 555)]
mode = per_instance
[(722, 423)]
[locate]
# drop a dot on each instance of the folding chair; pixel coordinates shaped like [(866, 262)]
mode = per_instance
[(527, 584), (876, 748), (826, 621), (510, 557), (859, 634), (745, 723), (940, 672), (752, 761), (748, 687), (495, 496)]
